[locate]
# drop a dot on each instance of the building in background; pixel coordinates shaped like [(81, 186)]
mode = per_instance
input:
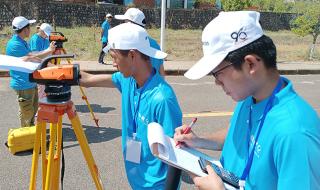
[(173, 4), (176, 4)]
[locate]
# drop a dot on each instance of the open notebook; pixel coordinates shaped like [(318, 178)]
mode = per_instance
[(165, 149), (17, 64)]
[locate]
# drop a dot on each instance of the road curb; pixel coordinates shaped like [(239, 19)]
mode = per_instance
[(299, 72), (4, 74), (179, 72)]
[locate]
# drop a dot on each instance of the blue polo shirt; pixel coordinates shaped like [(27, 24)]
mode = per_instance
[(158, 103), (18, 47), (287, 153), (156, 63), (105, 27), (38, 43)]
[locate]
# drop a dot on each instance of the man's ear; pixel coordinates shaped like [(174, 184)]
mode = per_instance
[(253, 63), (132, 53)]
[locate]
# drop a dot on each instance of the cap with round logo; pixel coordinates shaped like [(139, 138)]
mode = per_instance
[(227, 32)]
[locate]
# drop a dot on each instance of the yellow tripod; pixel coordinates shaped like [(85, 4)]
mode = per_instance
[(59, 38), (52, 113)]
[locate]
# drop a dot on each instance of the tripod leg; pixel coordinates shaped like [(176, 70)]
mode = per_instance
[(57, 157), (53, 136), (35, 156), (86, 151), (65, 52), (44, 153), (84, 97)]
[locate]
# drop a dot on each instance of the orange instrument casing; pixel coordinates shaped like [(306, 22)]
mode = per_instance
[(65, 74)]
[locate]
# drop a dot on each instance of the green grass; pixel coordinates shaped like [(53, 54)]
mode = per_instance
[(181, 45)]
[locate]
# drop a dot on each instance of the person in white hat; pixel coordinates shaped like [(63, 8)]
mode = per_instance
[(146, 98), (27, 93), (106, 25), (40, 40), (273, 140), (136, 16)]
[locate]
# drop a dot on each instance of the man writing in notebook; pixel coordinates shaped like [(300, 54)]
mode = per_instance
[(273, 141), (146, 98)]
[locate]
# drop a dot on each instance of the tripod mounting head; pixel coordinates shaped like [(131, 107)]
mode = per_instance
[(59, 38), (57, 79)]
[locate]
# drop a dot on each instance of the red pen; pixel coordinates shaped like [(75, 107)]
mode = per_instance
[(188, 129)]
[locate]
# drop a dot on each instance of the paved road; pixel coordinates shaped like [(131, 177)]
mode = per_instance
[(197, 98)]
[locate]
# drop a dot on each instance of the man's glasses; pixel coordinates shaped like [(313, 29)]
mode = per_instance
[(217, 72)]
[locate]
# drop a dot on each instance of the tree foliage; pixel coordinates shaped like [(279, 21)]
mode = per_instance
[(261, 5), (204, 3), (307, 23), (235, 5)]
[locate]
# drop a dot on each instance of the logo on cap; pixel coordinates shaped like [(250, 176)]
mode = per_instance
[(239, 35), (205, 43)]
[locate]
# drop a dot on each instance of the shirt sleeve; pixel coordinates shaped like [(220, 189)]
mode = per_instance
[(169, 114), (297, 162), (116, 79), (103, 25)]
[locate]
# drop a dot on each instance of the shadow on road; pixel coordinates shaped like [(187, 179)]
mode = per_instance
[(96, 108), (93, 134)]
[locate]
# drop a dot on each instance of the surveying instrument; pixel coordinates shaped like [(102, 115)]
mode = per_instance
[(59, 39), (58, 81)]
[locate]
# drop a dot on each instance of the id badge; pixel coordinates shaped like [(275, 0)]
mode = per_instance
[(133, 150)]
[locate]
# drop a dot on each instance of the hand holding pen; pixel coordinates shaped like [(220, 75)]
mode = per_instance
[(188, 129)]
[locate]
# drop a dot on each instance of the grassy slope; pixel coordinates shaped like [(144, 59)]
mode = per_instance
[(180, 44)]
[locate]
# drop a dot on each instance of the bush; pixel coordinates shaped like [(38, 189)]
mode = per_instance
[(204, 4), (235, 5)]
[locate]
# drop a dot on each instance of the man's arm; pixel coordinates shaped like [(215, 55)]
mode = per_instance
[(45, 53), (102, 29), (214, 141), (31, 58), (90, 80)]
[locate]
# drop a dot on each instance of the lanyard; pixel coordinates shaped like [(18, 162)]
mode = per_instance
[(138, 103), (266, 110)]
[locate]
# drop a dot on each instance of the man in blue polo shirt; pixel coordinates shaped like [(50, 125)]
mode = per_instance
[(26, 91), (273, 141), (40, 40), (146, 98), (137, 17), (104, 36)]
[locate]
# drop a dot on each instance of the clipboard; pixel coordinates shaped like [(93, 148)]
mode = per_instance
[(184, 158), (164, 148)]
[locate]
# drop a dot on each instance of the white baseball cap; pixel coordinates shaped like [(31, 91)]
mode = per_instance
[(137, 38), (227, 32), (109, 15), (20, 22), (46, 28), (134, 15)]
